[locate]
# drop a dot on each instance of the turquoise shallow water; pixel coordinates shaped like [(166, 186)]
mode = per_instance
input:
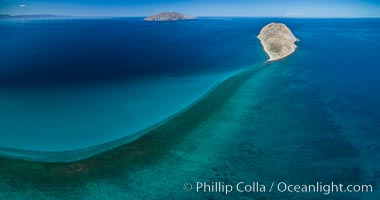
[(55, 124), (311, 117)]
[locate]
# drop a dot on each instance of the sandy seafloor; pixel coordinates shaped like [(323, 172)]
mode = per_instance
[(72, 123), (311, 117)]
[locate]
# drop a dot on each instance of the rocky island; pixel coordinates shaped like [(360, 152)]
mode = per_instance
[(169, 16), (277, 40)]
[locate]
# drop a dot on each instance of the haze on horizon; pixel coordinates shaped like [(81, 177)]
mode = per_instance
[(249, 8)]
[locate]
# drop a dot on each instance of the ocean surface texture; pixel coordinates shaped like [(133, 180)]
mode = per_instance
[(158, 105)]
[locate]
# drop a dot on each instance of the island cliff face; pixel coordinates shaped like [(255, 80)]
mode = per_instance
[(277, 40), (169, 16)]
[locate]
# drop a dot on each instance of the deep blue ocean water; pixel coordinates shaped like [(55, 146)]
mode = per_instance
[(313, 116), (83, 50)]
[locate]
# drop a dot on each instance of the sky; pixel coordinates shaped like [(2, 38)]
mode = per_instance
[(251, 8)]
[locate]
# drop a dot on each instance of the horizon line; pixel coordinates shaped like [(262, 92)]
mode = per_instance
[(201, 16)]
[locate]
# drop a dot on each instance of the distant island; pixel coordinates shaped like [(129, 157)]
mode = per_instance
[(277, 40), (169, 16)]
